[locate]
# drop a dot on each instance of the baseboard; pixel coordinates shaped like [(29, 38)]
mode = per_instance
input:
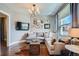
[(17, 42)]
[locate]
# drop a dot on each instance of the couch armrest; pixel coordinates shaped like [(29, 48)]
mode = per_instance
[(52, 47)]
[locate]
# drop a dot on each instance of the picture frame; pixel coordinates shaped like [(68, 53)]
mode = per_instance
[(46, 26), (22, 26)]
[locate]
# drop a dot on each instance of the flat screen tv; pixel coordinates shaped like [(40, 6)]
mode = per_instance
[(22, 26)]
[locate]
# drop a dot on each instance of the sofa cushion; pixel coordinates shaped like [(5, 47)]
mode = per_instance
[(53, 41), (32, 34), (50, 47), (65, 40), (46, 34), (48, 39), (40, 34), (25, 36)]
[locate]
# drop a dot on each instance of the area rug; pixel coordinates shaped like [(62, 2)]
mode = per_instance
[(23, 52), (34, 50)]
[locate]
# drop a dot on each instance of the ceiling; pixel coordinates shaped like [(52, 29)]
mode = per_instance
[(45, 8)]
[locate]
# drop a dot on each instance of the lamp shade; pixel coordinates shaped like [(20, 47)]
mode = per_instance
[(74, 32)]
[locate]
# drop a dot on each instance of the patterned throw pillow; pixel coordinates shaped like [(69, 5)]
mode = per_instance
[(53, 41)]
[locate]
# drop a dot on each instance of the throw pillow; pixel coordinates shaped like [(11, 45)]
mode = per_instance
[(53, 41)]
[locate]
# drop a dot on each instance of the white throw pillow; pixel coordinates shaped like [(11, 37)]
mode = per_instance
[(46, 34), (40, 34), (32, 34), (52, 35)]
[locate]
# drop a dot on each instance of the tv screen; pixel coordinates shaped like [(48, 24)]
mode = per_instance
[(22, 26)]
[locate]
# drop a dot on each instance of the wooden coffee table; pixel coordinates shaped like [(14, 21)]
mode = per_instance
[(35, 48)]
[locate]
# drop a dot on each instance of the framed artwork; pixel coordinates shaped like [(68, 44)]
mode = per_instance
[(22, 26), (46, 26)]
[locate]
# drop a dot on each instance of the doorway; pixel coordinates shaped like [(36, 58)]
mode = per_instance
[(3, 35), (3, 32)]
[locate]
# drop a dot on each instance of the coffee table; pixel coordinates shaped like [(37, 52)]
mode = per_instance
[(34, 48)]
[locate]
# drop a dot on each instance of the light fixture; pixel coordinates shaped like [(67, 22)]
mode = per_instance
[(35, 17), (34, 10)]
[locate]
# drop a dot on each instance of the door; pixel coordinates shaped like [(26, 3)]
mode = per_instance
[(2, 31), (1, 34), (3, 42)]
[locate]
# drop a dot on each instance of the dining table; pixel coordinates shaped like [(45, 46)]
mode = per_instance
[(73, 48)]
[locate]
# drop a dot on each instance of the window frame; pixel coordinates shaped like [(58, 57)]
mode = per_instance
[(59, 21)]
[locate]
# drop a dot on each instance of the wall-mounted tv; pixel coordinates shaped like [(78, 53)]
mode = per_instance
[(22, 26)]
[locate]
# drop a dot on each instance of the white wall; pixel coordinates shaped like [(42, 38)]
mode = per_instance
[(14, 16), (52, 21), (22, 16), (17, 35)]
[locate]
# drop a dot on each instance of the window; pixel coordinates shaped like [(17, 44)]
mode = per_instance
[(78, 14), (64, 20)]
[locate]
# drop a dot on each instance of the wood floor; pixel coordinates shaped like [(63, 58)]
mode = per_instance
[(22, 49), (16, 50), (3, 49)]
